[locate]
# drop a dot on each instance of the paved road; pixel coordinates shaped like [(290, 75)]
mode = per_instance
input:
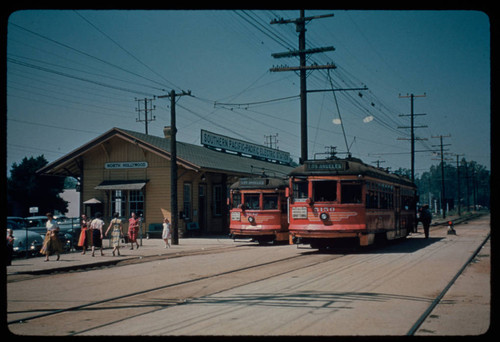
[(281, 290)]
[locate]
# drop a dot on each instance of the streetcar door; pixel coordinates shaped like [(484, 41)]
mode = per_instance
[(397, 208)]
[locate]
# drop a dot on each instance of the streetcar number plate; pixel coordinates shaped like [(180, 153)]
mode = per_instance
[(299, 212)]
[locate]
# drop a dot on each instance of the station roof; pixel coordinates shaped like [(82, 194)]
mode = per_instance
[(190, 156)]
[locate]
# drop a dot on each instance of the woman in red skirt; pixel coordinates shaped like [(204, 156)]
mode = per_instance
[(85, 239), (133, 230)]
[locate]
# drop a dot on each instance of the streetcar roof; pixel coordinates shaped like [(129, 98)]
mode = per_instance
[(346, 167)]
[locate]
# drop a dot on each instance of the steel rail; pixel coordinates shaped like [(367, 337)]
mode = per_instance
[(82, 306), (436, 301)]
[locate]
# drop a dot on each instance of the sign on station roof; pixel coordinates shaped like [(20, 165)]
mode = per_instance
[(225, 143)]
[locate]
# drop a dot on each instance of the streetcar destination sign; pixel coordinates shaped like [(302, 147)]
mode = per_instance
[(251, 182), (326, 165), (230, 144)]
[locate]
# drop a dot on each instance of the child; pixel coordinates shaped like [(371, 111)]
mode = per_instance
[(166, 232)]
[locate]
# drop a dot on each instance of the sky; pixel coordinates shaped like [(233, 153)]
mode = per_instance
[(75, 74)]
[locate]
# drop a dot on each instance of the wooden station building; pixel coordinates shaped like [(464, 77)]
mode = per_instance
[(125, 171)]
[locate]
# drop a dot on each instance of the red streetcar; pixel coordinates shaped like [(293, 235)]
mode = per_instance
[(259, 209), (344, 198)]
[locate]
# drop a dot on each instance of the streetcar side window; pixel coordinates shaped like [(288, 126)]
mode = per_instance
[(350, 193), (300, 191), (252, 201), (325, 191), (270, 201)]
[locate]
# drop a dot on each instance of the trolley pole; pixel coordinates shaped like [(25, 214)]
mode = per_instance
[(174, 212)]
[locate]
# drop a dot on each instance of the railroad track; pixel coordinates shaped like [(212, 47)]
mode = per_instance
[(203, 286), (198, 286), (438, 298)]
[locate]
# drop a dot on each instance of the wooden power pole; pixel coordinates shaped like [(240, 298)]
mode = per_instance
[(302, 52), (174, 212), (412, 127), (145, 110)]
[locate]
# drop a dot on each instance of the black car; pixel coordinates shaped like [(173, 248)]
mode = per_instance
[(25, 241)]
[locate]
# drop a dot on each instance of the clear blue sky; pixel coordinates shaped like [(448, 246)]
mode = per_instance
[(72, 75)]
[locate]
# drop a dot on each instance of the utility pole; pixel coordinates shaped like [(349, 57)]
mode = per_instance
[(467, 184), (174, 212), (378, 163), (145, 110), (302, 52), (271, 141), (443, 200), (458, 183), (412, 127)]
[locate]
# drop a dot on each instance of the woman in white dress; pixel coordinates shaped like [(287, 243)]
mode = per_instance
[(166, 232)]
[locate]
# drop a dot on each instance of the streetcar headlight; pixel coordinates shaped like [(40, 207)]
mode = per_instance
[(323, 216), (235, 216), (251, 219)]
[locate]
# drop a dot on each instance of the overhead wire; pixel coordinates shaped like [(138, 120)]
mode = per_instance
[(125, 50)]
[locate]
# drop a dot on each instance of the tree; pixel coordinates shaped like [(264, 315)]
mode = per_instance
[(474, 185), (26, 188)]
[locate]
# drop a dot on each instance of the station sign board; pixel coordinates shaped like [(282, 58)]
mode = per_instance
[(214, 140), (126, 165)]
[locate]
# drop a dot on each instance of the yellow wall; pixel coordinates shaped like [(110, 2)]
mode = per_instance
[(157, 189)]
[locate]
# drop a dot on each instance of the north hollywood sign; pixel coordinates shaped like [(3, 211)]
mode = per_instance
[(230, 144), (126, 165)]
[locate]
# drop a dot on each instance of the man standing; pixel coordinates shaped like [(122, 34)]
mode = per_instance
[(425, 218)]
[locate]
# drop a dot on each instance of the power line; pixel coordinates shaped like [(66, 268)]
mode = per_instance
[(33, 66), (123, 49), (84, 53)]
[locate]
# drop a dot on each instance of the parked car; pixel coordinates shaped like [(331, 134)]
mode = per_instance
[(39, 221), (21, 221), (25, 241), (36, 221), (66, 234)]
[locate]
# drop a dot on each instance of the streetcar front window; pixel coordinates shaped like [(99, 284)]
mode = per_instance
[(252, 201), (270, 201), (236, 200), (325, 191), (300, 191)]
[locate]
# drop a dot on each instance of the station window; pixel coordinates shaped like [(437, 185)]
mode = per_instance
[(270, 201), (120, 198), (136, 202), (350, 193), (325, 191)]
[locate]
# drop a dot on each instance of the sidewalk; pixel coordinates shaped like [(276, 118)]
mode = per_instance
[(150, 248)]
